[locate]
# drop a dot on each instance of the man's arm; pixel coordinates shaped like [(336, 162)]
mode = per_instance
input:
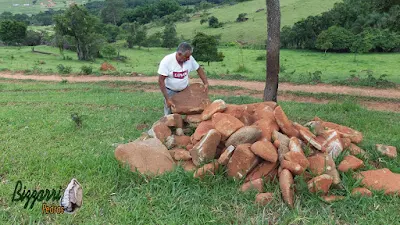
[(203, 77), (163, 88)]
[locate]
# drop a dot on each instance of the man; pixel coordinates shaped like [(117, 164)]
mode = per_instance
[(174, 72)]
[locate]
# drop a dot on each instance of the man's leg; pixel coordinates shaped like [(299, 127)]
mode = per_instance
[(170, 93)]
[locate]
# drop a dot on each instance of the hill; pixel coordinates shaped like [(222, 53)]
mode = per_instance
[(253, 31)]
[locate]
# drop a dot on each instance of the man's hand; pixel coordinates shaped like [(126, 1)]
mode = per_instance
[(170, 103), (206, 87)]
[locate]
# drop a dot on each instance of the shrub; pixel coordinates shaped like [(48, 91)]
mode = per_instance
[(242, 17), (108, 51), (86, 69), (64, 69), (261, 57)]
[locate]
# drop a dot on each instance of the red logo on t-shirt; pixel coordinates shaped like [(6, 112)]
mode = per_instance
[(180, 75)]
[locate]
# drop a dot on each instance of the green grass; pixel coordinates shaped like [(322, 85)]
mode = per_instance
[(7, 6), (252, 31), (42, 147), (295, 64)]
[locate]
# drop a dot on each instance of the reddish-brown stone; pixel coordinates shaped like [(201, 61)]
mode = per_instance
[(257, 184), (226, 124), (192, 100), (235, 110), (266, 127), (202, 129), (346, 132), (389, 151), (149, 156), (322, 183), (242, 161), (226, 155), (266, 150), (286, 184), (182, 141), (263, 170), (205, 149), (381, 179), (264, 198), (195, 118), (361, 191), (209, 168), (350, 163), (297, 157), (355, 150), (293, 167), (162, 131), (182, 154), (346, 142), (284, 123), (216, 106)]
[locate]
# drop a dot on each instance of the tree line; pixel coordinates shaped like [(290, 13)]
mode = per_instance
[(350, 26)]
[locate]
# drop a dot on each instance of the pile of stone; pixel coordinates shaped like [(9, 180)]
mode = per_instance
[(256, 143)]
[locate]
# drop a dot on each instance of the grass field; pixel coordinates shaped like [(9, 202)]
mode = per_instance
[(42, 147), (254, 30), (17, 6), (238, 64)]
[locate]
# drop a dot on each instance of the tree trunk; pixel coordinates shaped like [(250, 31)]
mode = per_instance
[(273, 45)]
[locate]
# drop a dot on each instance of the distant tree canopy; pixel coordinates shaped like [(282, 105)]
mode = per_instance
[(12, 32), (206, 48), (377, 19), (84, 28), (169, 36)]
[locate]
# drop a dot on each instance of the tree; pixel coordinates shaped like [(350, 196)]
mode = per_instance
[(111, 32), (12, 32), (340, 38), (206, 48), (79, 24), (33, 38), (169, 37), (112, 12), (324, 42), (273, 44), (242, 17), (213, 22), (361, 45), (136, 34)]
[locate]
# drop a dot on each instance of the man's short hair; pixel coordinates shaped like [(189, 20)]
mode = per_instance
[(184, 47)]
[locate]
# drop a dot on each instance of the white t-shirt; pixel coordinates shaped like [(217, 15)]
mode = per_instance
[(177, 75)]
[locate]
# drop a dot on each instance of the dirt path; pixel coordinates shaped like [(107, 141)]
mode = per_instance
[(255, 89), (252, 85)]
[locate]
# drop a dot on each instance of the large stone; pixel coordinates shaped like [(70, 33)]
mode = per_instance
[(245, 134), (226, 124), (206, 148), (182, 154), (284, 123), (322, 183), (346, 132), (263, 170), (265, 112), (350, 163), (216, 106), (195, 118), (172, 120), (247, 118), (188, 165), (307, 136), (226, 155), (381, 179), (161, 131), (253, 185), (361, 191), (209, 168), (264, 198), (323, 163), (193, 100), (346, 142), (235, 110), (251, 108), (242, 161), (266, 150), (286, 183), (332, 143), (267, 127), (201, 130), (297, 157), (293, 167), (182, 141), (282, 142), (149, 156), (355, 150), (389, 151)]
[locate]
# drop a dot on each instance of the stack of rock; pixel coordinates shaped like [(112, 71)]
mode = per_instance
[(255, 143)]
